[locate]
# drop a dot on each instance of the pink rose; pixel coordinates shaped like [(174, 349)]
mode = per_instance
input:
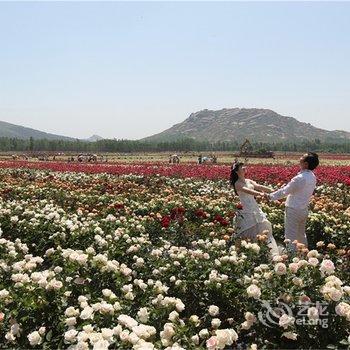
[(293, 267), (280, 269), (212, 343), (327, 267), (304, 299)]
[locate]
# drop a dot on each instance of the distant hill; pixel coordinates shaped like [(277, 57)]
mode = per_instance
[(237, 124), (21, 132), (94, 138)]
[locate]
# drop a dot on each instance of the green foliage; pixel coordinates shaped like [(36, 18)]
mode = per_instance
[(174, 145)]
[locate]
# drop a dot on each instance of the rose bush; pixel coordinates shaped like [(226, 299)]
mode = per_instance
[(99, 261)]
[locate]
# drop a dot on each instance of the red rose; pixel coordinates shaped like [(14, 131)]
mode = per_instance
[(218, 217), (239, 206), (165, 222), (181, 210), (200, 213), (177, 213), (224, 222)]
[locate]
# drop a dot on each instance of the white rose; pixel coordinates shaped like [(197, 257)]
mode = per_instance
[(250, 317), (127, 321), (246, 325), (58, 269), (117, 330), (34, 338), (88, 328), (70, 336), (129, 296), (143, 345), (173, 316), (87, 313), (139, 262), (285, 321), (195, 339), (107, 293), (254, 291), (124, 335), (297, 281), (226, 337), (101, 344), (215, 322), (71, 311), (290, 335), (4, 294), (346, 290), (168, 332), (180, 306), (203, 333), (143, 315), (10, 337), (195, 320), (70, 321), (213, 310), (107, 333)]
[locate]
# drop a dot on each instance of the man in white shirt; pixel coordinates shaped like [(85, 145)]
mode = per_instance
[(298, 192)]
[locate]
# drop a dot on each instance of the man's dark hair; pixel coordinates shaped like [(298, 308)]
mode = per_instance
[(312, 160)]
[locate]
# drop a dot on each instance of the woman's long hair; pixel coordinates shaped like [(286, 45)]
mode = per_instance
[(234, 176)]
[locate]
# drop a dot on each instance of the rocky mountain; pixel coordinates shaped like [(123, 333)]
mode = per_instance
[(237, 124), (21, 132)]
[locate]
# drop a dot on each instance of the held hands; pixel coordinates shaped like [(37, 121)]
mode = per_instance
[(267, 196), (261, 195)]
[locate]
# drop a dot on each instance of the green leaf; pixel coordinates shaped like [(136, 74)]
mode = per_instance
[(49, 335)]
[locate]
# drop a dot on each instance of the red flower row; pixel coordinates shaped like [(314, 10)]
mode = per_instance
[(265, 173)]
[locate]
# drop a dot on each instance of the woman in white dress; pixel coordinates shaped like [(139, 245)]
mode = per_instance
[(251, 220)]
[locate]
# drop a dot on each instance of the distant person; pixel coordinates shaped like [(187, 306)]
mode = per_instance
[(251, 221), (200, 159), (298, 192)]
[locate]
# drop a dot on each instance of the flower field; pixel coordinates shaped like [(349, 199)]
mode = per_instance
[(146, 260)]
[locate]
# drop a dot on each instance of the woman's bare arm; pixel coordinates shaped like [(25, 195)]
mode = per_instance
[(261, 188), (242, 188)]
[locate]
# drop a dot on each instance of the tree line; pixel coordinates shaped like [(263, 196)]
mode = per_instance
[(180, 145)]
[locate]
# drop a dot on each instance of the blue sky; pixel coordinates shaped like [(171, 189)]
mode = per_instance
[(128, 70)]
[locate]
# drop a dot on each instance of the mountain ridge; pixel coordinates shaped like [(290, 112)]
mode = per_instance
[(25, 133), (227, 124), (256, 124)]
